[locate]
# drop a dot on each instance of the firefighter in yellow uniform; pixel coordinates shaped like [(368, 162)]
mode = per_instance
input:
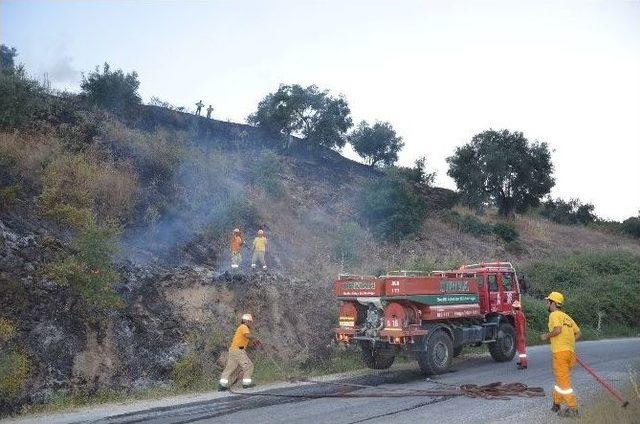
[(563, 333), (259, 249), (238, 357)]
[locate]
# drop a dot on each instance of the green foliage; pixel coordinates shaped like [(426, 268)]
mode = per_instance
[(22, 100), (89, 272), (265, 174), (572, 212), (111, 90), (391, 207), (502, 168), (349, 241), (376, 144), (7, 330), (14, 369), (606, 282), (417, 175), (310, 113), (8, 195), (14, 365), (631, 226), (506, 231), (7, 58), (467, 223)]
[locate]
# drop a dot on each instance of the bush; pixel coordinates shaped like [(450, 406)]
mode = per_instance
[(112, 90), (89, 273), (391, 207), (595, 282), (506, 231), (14, 369), (21, 100), (631, 226), (467, 223), (572, 212), (76, 187), (265, 174)]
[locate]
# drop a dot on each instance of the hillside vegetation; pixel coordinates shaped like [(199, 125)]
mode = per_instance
[(114, 227)]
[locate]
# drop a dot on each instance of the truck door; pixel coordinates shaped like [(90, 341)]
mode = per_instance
[(494, 292), (508, 294), (483, 294)]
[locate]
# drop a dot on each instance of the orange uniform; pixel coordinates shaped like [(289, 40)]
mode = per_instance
[(563, 357)]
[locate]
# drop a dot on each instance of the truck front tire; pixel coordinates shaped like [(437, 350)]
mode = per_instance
[(380, 358), (436, 359), (504, 348)]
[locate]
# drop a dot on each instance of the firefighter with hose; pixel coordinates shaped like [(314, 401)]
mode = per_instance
[(237, 356), (563, 333)]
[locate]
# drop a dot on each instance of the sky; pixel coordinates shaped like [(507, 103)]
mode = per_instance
[(563, 72)]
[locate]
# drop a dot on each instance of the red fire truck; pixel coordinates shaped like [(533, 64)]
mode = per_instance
[(430, 316)]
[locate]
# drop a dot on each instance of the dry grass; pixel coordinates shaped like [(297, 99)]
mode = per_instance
[(605, 410), (29, 154)]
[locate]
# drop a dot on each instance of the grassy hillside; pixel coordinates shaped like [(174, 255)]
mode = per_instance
[(113, 248)]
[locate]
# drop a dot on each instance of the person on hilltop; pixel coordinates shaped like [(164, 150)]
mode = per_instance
[(563, 333), (237, 356), (259, 250), (236, 248), (209, 110), (199, 107)]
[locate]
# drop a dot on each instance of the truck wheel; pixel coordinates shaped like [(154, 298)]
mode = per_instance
[(504, 348), (457, 351), (438, 355), (377, 359)]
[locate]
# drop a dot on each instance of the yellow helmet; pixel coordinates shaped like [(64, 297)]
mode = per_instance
[(516, 304), (556, 297)]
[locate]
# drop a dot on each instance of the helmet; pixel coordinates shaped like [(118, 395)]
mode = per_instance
[(260, 232), (556, 297), (516, 304), (236, 230), (247, 317)]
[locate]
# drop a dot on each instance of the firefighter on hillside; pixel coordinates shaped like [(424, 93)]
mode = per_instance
[(236, 248), (259, 249), (563, 333), (237, 356), (199, 107), (521, 335)]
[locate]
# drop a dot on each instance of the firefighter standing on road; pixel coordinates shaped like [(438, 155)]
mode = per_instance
[(521, 335), (259, 249), (236, 248), (563, 333), (237, 356)]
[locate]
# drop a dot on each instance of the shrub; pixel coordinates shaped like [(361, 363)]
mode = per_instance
[(265, 174), (391, 207), (112, 90), (631, 226), (595, 282), (76, 188), (89, 273), (572, 212), (506, 231), (7, 330), (21, 100), (14, 369), (466, 223)]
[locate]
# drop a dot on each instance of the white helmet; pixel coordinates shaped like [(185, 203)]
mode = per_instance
[(247, 317)]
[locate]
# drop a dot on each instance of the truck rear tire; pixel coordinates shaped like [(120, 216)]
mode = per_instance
[(436, 359), (504, 348), (380, 358)]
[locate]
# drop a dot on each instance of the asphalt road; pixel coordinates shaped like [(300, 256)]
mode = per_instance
[(611, 358)]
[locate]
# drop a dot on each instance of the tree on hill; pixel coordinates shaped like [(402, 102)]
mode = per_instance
[(112, 90), (376, 144), (309, 113), (572, 212), (7, 58), (502, 168)]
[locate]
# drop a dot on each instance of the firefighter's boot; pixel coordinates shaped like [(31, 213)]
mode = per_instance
[(555, 407)]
